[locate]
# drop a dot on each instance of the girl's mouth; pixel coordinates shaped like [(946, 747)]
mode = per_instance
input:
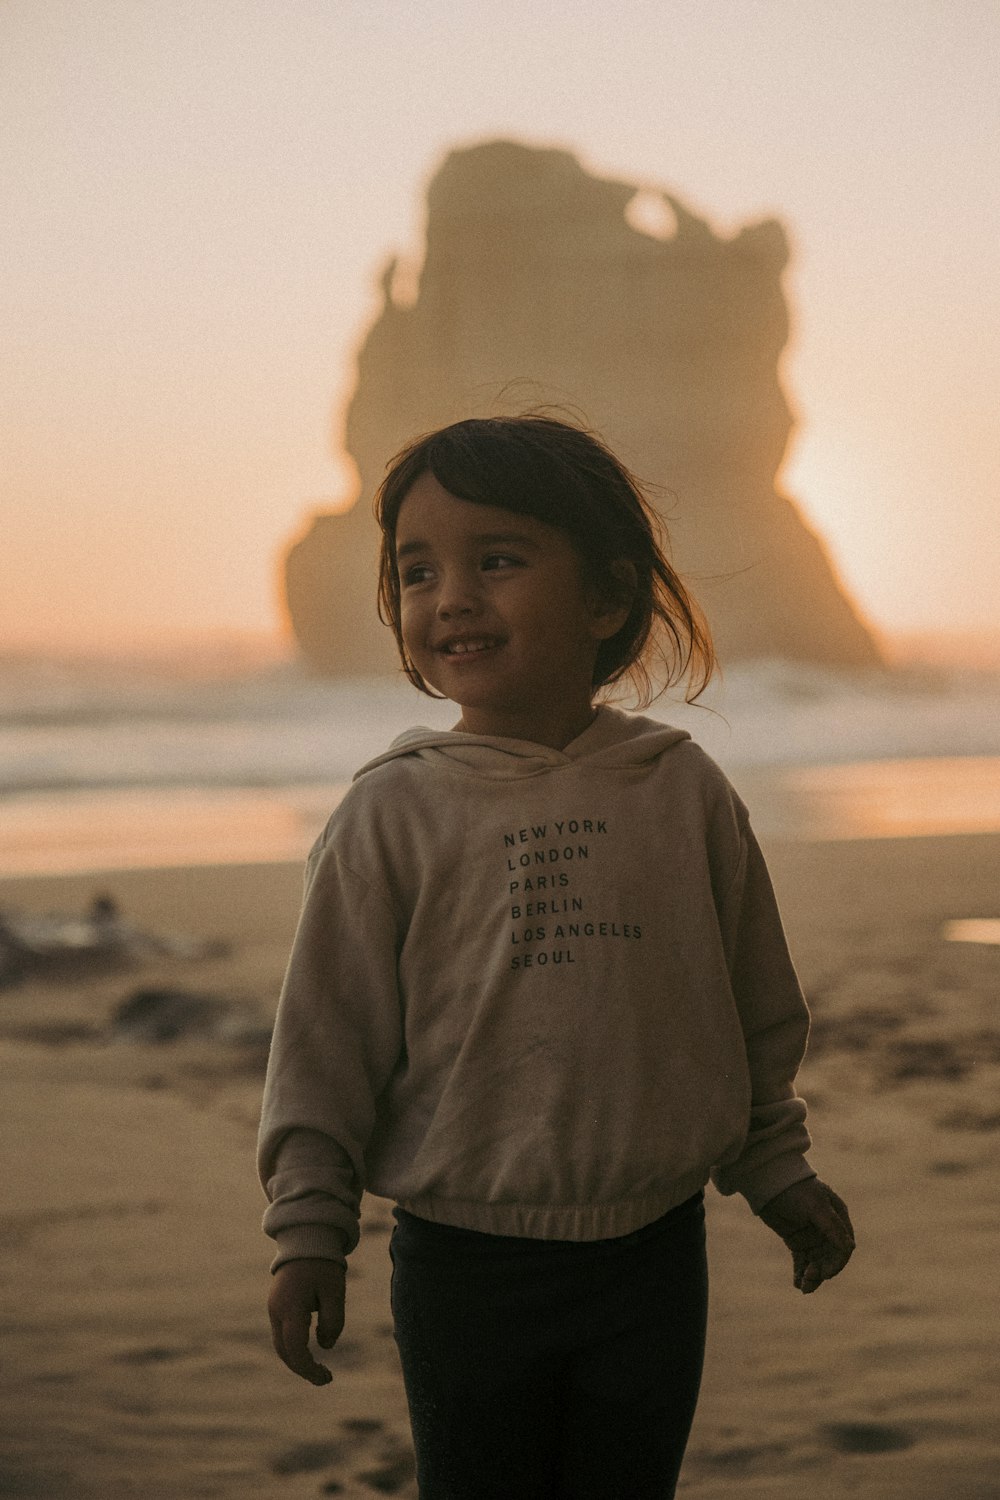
[(471, 649)]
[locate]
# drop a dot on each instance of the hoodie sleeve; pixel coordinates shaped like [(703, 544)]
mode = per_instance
[(337, 1038), (775, 1024)]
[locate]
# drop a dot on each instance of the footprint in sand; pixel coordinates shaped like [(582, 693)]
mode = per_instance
[(975, 1120), (918, 1057), (394, 1467), (307, 1458), (392, 1471), (392, 1474), (740, 1456), (153, 1354), (867, 1437)]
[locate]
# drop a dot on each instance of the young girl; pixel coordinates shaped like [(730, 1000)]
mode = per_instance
[(538, 994)]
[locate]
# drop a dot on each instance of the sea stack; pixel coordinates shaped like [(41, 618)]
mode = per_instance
[(541, 282)]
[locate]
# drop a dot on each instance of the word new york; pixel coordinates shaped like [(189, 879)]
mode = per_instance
[(540, 831)]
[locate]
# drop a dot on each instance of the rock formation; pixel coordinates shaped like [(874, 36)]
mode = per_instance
[(536, 286)]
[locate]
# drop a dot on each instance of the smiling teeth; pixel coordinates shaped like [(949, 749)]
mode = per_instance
[(461, 646)]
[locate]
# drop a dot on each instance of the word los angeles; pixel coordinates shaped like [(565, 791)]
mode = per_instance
[(565, 930)]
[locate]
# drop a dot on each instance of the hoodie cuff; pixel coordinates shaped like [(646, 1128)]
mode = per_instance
[(773, 1178), (309, 1242)]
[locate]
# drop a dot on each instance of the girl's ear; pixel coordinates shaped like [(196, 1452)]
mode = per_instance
[(613, 606)]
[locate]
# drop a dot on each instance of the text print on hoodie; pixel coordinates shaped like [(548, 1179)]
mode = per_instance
[(533, 992)]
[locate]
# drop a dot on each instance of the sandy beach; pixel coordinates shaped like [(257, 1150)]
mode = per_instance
[(136, 1352)]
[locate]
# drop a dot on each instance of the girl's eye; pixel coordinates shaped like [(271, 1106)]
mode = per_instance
[(420, 572)]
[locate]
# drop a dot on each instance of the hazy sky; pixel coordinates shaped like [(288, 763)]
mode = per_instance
[(197, 196)]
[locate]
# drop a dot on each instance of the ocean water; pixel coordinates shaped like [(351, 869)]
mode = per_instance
[(107, 764)]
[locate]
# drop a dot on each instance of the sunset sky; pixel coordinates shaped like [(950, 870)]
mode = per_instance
[(198, 195)]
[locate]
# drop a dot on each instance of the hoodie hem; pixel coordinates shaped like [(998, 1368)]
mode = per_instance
[(536, 1221)]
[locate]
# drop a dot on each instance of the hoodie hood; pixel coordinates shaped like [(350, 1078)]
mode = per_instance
[(614, 739)]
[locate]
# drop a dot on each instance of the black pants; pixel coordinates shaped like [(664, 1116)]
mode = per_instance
[(550, 1369)]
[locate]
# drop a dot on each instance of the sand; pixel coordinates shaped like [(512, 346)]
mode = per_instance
[(136, 1359)]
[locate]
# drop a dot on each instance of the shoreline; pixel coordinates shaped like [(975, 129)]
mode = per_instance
[(778, 845), (101, 831)]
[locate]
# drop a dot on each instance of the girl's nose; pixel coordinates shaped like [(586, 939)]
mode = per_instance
[(458, 596)]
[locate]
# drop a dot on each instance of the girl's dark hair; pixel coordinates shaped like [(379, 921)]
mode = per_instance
[(564, 475)]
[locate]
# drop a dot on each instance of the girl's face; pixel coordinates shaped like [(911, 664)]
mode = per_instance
[(496, 614)]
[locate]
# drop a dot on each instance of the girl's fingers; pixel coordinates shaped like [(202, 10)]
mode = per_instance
[(300, 1289), (329, 1322), (290, 1337), (822, 1264), (277, 1339), (842, 1214), (834, 1225)]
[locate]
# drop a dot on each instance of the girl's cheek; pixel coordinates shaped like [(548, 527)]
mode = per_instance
[(409, 618)]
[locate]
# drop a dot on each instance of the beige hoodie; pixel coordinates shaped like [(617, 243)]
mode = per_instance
[(532, 992)]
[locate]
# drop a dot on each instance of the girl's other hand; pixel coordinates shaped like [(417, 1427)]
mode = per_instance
[(300, 1288), (816, 1226)]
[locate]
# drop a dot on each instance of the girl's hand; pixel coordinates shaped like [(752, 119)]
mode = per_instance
[(300, 1288), (816, 1227)]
